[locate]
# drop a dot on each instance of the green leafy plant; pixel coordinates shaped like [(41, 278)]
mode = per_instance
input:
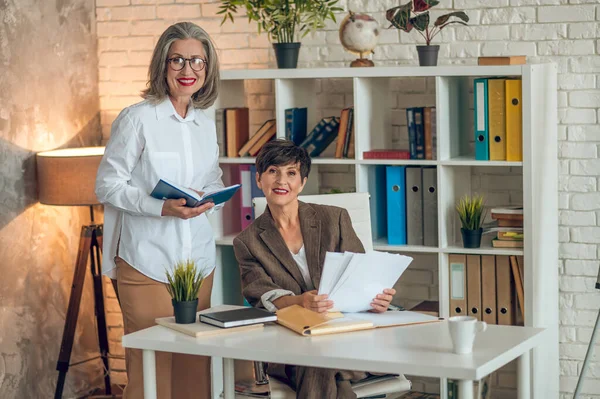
[(415, 14), (283, 20), (471, 210), (184, 281)]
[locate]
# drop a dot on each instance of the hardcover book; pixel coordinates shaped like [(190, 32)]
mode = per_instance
[(166, 189), (238, 317)]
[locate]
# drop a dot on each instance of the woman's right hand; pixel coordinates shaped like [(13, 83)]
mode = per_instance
[(177, 208), (316, 303)]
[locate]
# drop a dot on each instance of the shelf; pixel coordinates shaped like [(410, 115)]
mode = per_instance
[(382, 245), (482, 251), (470, 161), (423, 162), (333, 161), (241, 160), (377, 72), (225, 240)]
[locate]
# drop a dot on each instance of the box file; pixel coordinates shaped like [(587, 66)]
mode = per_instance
[(458, 285)]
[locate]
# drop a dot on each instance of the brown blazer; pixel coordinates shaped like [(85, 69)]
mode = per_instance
[(266, 262)]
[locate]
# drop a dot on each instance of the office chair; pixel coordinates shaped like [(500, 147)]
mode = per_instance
[(359, 210)]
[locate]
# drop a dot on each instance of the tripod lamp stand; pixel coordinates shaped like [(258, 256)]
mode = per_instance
[(588, 354), (66, 178)]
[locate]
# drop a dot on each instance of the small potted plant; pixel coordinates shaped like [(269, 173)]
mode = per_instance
[(285, 21), (184, 282), (415, 14), (471, 211)]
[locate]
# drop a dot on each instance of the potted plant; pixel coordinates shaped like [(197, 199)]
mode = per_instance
[(415, 14), (184, 283), (471, 212), (285, 21)]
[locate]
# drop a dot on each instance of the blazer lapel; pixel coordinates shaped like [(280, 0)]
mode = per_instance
[(276, 245), (311, 234)]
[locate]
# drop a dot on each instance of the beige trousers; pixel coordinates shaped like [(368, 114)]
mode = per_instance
[(142, 300)]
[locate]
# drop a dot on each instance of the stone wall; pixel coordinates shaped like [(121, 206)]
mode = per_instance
[(48, 99)]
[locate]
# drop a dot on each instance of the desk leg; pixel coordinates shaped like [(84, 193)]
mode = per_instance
[(228, 379), (524, 376), (465, 389), (149, 359)]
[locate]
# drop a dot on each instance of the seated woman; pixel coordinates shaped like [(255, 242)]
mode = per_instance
[(281, 258)]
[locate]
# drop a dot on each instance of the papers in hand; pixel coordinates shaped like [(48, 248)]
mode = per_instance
[(353, 280), (166, 189)]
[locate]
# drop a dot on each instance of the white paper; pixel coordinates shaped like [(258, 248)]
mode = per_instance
[(353, 280)]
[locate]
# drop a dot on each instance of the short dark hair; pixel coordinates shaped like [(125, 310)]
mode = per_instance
[(282, 152)]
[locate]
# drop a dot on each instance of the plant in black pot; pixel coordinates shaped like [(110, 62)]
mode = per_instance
[(285, 21), (471, 211), (184, 282), (415, 14)]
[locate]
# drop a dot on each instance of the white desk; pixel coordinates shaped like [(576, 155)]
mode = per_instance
[(423, 350)]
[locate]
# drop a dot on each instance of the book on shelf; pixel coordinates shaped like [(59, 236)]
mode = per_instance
[(267, 136), (386, 154), (502, 60), (264, 129), (514, 213), (496, 243), (344, 133), (166, 189), (422, 135), (323, 134), (296, 124), (236, 129), (238, 317)]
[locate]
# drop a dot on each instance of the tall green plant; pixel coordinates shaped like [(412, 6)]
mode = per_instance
[(283, 20), (184, 281), (415, 14), (471, 210)]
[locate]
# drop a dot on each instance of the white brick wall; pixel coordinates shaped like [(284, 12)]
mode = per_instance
[(566, 32)]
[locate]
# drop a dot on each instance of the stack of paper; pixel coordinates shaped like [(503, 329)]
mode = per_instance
[(353, 280)]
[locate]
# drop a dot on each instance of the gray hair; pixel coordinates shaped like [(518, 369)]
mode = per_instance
[(158, 88)]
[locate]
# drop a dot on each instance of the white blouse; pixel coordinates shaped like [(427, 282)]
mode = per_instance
[(268, 297), (149, 142)]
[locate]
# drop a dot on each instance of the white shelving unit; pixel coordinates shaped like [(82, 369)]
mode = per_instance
[(454, 162)]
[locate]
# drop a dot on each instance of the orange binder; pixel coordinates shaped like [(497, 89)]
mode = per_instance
[(504, 291), (514, 120), (497, 119), (458, 284), (474, 286), (488, 289), (518, 283)]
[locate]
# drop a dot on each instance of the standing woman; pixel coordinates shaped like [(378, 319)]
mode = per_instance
[(168, 135)]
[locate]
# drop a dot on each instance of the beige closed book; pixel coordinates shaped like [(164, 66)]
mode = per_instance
[(458, 284), (474, 286), (308, 323), (488, 289), (504, 291)]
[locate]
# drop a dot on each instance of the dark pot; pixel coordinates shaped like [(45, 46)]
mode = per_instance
[(428, 55), (185, 311), (286, 54), (471, 238)]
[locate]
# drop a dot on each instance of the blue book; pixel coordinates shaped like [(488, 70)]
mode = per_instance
[(395, 187), (321, 136), (419, 133), (166, 189), (480, 102), (295, 124)]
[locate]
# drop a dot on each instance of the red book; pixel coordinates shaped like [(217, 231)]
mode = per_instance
[(386, 154)]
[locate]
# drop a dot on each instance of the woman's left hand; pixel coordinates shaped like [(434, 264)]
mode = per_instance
[(382, 301)]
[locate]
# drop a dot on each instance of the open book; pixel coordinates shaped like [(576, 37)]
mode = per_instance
[(353, 280), (166, 189)]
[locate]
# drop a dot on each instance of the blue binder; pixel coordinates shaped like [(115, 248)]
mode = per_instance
[(396, 204), (295, 124), (254, 190), (480, 104)]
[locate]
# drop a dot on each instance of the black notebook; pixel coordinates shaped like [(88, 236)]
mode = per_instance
[(238, 317)]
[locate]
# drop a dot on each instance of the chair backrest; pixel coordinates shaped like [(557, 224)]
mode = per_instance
[(357, 205)]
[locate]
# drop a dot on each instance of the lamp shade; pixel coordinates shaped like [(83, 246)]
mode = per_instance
[(68, 176)]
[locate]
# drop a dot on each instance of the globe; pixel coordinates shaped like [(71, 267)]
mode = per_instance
[(359, 34)]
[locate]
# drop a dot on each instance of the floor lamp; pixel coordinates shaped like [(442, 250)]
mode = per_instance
[(67, 177), (588, 354)]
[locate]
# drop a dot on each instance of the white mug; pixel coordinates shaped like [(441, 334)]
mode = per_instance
[(462, 332)]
